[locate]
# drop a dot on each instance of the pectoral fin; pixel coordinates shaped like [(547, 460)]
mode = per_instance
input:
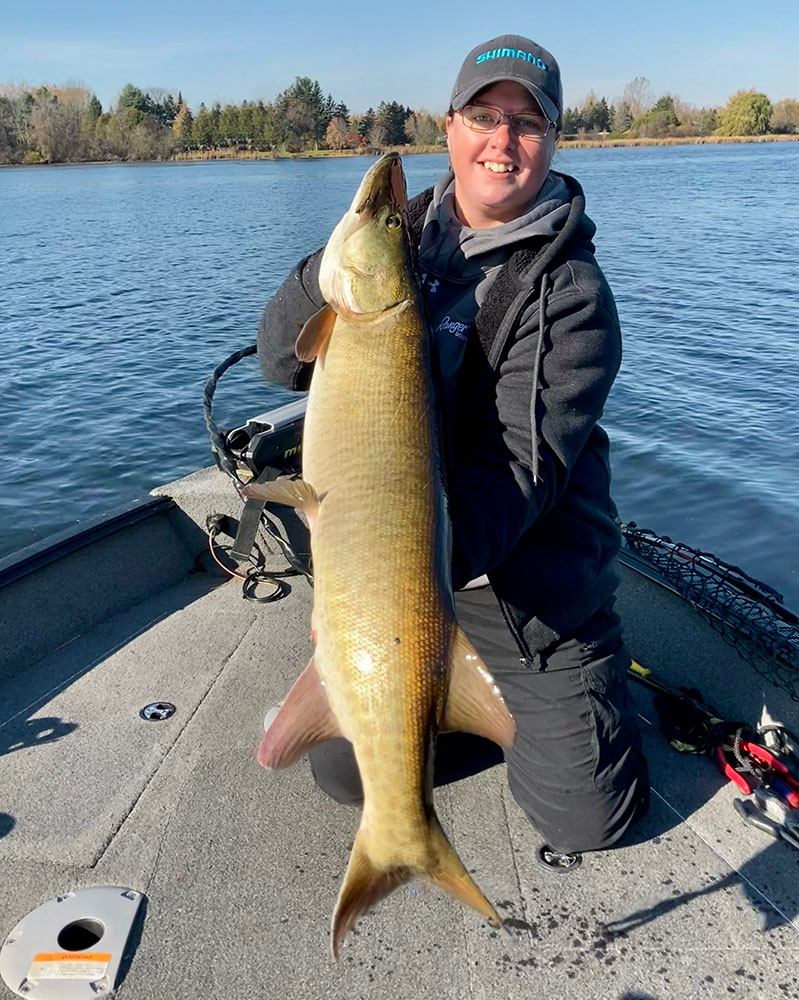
[(303, 721), (313, 338), (474, 703), (291, 492)]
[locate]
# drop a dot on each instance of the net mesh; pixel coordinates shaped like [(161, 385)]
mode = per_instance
[(749, 614)]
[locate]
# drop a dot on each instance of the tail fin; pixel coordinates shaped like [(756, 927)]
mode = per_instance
[(451, 875), (366, 883)]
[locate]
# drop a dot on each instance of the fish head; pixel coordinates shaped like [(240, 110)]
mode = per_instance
[(368, 263)]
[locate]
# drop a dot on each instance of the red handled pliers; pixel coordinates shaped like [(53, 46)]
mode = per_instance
[(782, 779)]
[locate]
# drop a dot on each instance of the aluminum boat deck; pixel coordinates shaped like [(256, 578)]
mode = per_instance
[(240, 867)]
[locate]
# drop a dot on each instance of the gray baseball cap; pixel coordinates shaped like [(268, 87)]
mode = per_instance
[(511, 57)]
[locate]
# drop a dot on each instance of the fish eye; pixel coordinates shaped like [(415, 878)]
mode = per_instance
[(393, 222)]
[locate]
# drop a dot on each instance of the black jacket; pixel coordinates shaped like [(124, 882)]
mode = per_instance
[(529, 486)]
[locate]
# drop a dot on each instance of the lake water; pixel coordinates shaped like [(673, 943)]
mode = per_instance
[(122, 286)]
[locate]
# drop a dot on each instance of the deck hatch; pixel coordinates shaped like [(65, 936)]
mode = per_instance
[(71, 947)]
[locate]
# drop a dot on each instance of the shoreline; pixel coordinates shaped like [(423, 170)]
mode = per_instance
[(190, 156), (223, 154), (689, 140)]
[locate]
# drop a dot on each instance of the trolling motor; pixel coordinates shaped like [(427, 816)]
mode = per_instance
[(260, 450)]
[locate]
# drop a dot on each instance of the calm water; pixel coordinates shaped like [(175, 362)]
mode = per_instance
[(122, 286)]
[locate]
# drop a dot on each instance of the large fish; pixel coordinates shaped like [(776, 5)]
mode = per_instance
[(391, 667)]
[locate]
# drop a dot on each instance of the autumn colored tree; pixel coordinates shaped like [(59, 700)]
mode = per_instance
[(785, 117), (336, 134)]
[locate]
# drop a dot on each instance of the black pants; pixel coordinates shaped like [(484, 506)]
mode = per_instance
[(576, 768)]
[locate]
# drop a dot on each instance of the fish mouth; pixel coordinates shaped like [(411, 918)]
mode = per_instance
[(382, 187)]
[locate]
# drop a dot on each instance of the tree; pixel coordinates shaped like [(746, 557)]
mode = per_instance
[(573, 121), (328, 111), (183, 122), (247, 124), (785, 117), (637, 96), (596, 114), (391, 119), (94, 109), (706, 121), (336, 134), (621, 116), (132, 97), (661, 121), (202, 130), (229, 125), (57, 121), (747, 113), (270, 128), (302, 108), (422, 128), (367, 123)]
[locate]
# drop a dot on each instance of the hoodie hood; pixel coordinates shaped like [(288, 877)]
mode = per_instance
[(446, 243)]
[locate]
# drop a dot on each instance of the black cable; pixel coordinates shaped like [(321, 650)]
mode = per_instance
[(218, 445)]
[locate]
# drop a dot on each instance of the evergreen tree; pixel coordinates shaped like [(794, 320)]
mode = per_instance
[(328, 110), (202, 132), (216, 114), (602, 117), (132, 97), (183, 122), (661, 121), (391, 118), (367, 123), (301, 108)]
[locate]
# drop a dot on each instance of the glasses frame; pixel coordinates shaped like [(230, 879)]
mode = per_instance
[(503, 117)]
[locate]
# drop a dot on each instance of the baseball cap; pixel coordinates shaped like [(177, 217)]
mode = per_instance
[(511, 57)]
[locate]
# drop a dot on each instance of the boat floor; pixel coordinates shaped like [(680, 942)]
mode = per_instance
[(241, 867)]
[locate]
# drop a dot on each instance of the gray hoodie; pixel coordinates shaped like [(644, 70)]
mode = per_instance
[(458, 264)]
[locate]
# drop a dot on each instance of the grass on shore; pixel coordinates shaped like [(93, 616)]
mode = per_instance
[(313, 154)]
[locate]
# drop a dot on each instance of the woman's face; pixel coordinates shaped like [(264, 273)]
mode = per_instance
[(497, 174)]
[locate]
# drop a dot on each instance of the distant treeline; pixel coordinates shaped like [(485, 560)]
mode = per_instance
[(637, 115), (49, 124)]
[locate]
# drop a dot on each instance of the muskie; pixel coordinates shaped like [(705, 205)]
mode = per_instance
[(391, 667)]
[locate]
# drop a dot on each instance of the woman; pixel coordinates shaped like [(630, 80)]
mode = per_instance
[(528, 344)]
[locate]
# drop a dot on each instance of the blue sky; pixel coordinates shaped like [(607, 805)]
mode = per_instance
[(410, 52)]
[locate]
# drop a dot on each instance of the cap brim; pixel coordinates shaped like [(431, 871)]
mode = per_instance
[(547, 104)]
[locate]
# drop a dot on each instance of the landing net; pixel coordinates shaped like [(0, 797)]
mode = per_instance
[(749, 614)]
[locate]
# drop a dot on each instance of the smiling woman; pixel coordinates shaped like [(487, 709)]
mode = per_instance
[(527, 345), (501, 147)]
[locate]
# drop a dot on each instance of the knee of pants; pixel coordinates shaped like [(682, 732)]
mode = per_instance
[(587, 819), (335, 771)]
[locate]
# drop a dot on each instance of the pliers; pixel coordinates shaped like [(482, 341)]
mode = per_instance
[(752, 816), (767, 767)]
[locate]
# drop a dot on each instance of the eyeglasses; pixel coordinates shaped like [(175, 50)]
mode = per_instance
[(484, 119)]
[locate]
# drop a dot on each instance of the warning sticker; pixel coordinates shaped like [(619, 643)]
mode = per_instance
[(69, 965)]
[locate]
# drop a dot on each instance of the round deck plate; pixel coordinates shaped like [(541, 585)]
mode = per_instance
[(70, 947)]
